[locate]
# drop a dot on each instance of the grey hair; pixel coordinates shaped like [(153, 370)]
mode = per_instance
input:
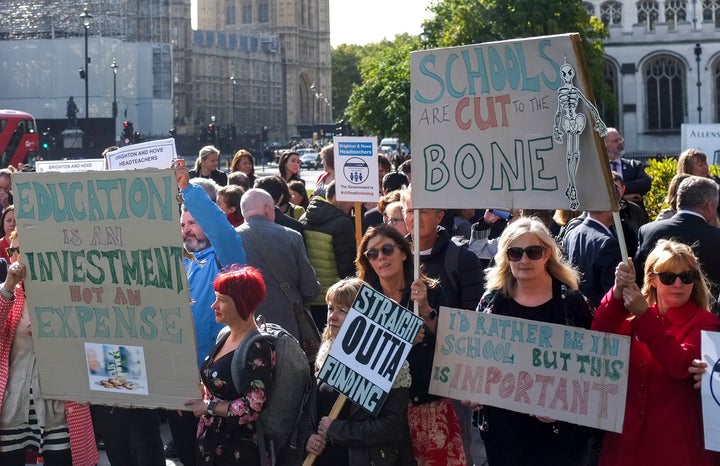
[(695, 192)]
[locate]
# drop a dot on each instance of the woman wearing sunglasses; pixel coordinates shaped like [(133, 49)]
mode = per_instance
[(531, 280), (385, 262), (663, 422)]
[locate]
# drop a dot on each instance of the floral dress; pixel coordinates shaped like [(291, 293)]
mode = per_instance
[(232, 440)]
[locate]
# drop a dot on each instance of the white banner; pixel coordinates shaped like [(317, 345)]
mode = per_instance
[(152, 154)]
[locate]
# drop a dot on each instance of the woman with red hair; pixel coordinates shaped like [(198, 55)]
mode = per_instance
[(226, 431)]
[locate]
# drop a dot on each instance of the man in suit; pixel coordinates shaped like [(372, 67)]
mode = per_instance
[(279, 253), (637, 182), (697, 201), (595, 251)]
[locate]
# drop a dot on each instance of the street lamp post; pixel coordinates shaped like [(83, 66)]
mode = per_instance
[(314, 103), (698, 52), (233, 80), (86, 17), (114, 67), (425, 38)]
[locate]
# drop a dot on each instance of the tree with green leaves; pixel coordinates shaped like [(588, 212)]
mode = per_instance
[(463, 22), (381, 104), (346, 60)]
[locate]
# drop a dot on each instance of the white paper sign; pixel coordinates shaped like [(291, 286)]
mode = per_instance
[(67, 166), (710, 389), (370, 348), (356, 169), (565, 373), (152, 154)]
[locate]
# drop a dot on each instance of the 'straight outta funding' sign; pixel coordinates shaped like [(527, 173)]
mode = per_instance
[(370, 349)]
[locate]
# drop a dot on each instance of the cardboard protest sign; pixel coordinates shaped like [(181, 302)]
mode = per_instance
[(356, 169), (67, 166), (152, 154), (565, 373), (507, 125), (107, 291), (370, 348), (710, 389)]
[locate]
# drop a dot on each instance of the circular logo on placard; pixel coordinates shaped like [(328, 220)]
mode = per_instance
[(356, 170)]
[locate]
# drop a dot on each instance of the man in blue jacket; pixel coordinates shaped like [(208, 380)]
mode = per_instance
[(214, 243)]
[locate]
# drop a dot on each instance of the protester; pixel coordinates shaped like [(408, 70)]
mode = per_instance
[(6, 197), (330, 243), (694, 162), (298, 194), (227, 431), (206, 166), (671, 198), (394, 217), (243, 161), (280, 254), (327, 154), (61, 431), (637, 181), (289, 166), (287, 214), (7, 226), (355, 437), (212, 243), (531, 280), (228, 199), (663, 423), (385, 261)]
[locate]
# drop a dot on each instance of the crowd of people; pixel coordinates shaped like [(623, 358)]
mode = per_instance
[(275, 247)]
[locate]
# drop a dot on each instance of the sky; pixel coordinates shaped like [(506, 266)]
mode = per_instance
[(366, 21)]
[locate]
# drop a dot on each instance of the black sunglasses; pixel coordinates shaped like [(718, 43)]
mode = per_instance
[(387, 250), (532, 252), (11, 251), (668, 278)]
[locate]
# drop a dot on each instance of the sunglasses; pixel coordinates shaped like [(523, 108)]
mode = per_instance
[(394, 221), (532, 252), (11, 251), (668, 278), (386, 249)]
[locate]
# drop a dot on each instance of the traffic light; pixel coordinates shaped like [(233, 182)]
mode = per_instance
[(128, 133), (173, 132), (211, 133), (264, 133), (45, 140), (137, 137)]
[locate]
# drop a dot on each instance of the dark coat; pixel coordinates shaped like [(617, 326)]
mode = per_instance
[(595, 252), (464, 286), (685, 228), (635, 179)]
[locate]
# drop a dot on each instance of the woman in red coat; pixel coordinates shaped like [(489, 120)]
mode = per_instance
[(663, 420)]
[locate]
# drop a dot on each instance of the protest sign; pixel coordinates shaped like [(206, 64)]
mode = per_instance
[(107, 292), (508, 124), (710, 389), (565, 373), (67, 166), (152, 154), (370, 348), (356, 169)]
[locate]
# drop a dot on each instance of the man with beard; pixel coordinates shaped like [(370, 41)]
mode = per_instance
[(637, 182), (212, 243)]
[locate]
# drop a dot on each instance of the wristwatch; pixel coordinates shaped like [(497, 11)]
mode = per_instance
[(431, 315), (211, 407)]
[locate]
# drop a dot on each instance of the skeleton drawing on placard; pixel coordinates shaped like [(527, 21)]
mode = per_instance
[(572, 123)]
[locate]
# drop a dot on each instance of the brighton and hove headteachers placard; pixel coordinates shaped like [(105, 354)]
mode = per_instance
[(565, 373), (107, 292), (370, 348), (507, 124), (356, 169)]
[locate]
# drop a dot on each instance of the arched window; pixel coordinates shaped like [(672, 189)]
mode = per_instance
[(710, 11), (590, 8), (611, 13), (648, 14), (716, 89), (675, 12), (609, 112), (665, 93)]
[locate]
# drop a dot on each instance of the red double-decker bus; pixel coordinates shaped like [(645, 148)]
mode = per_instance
[(19, 141)]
